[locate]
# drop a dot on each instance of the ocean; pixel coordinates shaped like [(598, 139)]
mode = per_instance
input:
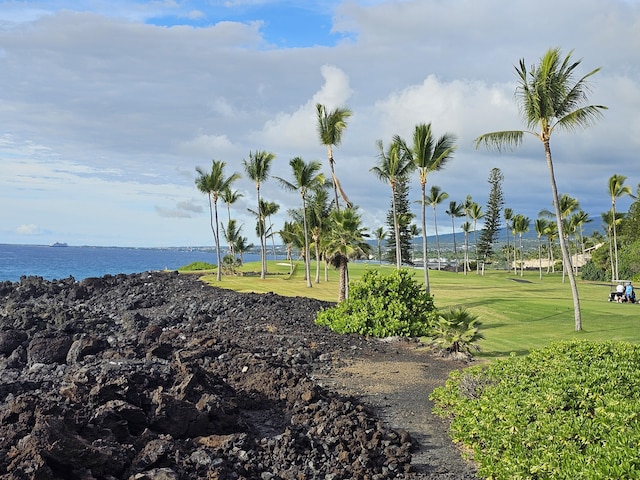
[(52, 262)]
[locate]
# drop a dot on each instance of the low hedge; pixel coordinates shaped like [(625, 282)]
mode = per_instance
[(571, 410)]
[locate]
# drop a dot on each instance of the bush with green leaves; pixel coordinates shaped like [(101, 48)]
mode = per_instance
[(196, 266), (571, 410), (393, 304)]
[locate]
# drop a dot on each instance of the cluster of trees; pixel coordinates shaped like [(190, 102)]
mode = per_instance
[(549, 97)]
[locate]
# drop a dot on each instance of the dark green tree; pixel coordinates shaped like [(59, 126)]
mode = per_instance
[(404, 225), (492, 216)]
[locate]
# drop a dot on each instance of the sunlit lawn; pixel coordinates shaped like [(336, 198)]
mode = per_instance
[(518, 313)]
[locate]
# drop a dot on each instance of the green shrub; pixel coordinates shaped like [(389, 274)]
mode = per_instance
[(196, 266), (571, 410), (379, 305), (590, 271), (457, 330)]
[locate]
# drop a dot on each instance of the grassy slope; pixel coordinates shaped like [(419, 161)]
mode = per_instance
[(518, 313)]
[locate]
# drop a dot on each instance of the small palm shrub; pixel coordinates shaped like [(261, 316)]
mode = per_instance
[(393, 304), (457, 331), (571, 410)]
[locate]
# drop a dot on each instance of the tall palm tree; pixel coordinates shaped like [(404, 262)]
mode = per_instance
[(466, 228), (540, 225), (476, 213), (608, 223), (306, 177), (213, 184), (508, 216), (456, 210), (257, 169), (429, 155), (380, 235), (436, 197), (550, 97), (393, 164), (521, 226), (617, 189), (346, 240), (331, 125)]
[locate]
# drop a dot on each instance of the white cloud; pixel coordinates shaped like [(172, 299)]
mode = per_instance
[(30, 229)]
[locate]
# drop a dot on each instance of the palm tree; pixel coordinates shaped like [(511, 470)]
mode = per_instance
[(429, 155), (330, 127), (230, 197), (475, 212), (380, 235), (520, 226), (457, 330), (551, 232), (288, 235), (466, 228), (436, 197), (392, 164), (213, 184), (414, 230), (456, 210), (609, 222), (346, 240), (242, 246), (540, 225), (508, 215), (319, 209), (306, 177), (232, 232), (270, 209), (550, 98), (257, 169), (617, 189)]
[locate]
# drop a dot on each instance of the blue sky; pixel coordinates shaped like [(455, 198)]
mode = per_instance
[(107, 107)]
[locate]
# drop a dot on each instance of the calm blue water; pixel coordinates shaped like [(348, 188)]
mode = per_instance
[(82, 262)]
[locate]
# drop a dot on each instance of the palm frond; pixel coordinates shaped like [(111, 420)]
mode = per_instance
[(498, 141)]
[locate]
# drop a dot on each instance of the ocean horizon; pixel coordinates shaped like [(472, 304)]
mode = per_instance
[(57, 262)]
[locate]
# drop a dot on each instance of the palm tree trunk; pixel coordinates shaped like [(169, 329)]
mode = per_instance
[(396, 228), (342, 291), (566, 258), (521, 257), (508, 262), (307, 273), (613, 271), (425, 259), (435, 226), (615, 239), (316, 240), (540, 257), (455, 249), (333, 174), (216, 234)]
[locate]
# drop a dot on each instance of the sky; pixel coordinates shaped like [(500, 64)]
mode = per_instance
[(108, 106)]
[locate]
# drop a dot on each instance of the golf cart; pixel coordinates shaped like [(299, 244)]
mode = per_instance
[(617, 291)]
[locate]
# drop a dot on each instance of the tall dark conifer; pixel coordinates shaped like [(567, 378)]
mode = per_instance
[(492, 216), (405, 217)]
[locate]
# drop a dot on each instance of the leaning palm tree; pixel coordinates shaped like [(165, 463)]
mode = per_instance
[(550, 97), (380, 235), (456, 210), (213, 184), (306, 177), (617, 189), (257, 169), (331, 124), (436, 197), (346, 240), (393, 164), (429, 155)]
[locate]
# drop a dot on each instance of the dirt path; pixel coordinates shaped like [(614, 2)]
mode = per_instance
[(397, 385)]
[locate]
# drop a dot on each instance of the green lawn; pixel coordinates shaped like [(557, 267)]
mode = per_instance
[(518, 313)]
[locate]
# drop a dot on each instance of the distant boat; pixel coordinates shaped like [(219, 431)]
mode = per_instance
[(59, 244)]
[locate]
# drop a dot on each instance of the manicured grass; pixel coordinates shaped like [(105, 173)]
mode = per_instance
[(518, 313)]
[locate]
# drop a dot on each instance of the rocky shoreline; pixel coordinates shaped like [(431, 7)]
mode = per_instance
[(158, 376)]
